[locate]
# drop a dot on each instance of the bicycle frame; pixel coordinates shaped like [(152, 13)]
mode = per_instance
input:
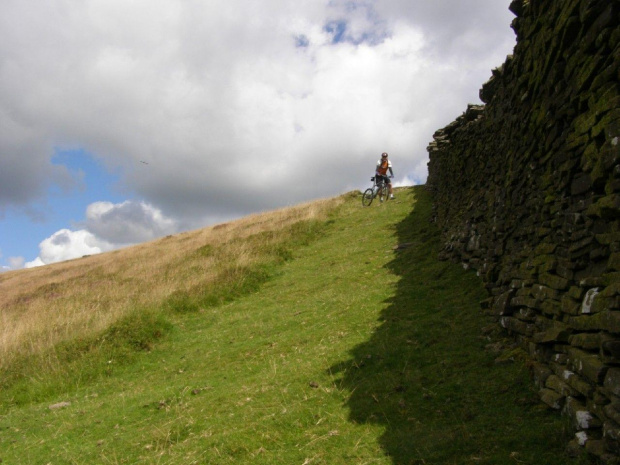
[(379, 186)]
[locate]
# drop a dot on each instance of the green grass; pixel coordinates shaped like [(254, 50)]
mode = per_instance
[(342, 351)]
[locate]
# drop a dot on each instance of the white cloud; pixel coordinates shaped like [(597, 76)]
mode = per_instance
[(236, 106), (34, 263), (66, 244)]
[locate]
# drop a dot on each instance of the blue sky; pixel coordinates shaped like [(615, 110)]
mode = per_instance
[(20, 234), (93, 183), (121, 122)]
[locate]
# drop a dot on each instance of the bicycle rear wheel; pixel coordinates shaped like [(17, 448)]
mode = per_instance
[(367, 197)]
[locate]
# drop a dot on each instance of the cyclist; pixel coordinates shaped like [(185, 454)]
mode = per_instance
[(383, 166)]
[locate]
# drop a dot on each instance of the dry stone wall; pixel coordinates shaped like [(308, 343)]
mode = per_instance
[(526, 191)]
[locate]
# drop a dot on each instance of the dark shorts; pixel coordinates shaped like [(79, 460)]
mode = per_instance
[(385, 178)]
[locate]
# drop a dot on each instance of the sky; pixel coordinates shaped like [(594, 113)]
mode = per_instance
[(126, 120)]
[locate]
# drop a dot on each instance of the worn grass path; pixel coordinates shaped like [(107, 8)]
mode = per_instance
[(355, 353)]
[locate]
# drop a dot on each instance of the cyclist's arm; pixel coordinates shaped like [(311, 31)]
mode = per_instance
[(391, 172)]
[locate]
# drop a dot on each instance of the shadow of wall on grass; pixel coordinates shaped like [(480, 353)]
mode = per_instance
[(421, 375)]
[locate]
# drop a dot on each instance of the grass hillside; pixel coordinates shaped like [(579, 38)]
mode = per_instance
[(326, 333)]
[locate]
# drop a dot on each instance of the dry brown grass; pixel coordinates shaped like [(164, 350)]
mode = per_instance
[(43, 306)]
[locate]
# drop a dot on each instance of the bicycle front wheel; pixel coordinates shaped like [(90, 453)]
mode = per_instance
[(367, 197), (385, 194)]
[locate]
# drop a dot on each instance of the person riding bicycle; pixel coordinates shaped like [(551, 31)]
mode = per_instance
[(383, 166)]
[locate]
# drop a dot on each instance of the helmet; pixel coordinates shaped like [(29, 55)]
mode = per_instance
[(384, 155)]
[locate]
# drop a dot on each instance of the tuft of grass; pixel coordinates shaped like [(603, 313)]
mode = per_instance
[(229, 285), (270, 249), (83, 359)]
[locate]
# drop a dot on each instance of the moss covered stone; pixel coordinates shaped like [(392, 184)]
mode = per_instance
[(607, 207)]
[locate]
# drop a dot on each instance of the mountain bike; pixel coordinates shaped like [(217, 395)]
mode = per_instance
[(379, 188)]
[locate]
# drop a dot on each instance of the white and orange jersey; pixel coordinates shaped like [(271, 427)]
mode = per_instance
[(383, 166)]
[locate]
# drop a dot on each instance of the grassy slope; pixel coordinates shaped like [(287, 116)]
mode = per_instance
[(353, 353)]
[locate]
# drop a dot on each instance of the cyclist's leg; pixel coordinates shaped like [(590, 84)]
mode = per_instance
[(384, 185), (389, 185)]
